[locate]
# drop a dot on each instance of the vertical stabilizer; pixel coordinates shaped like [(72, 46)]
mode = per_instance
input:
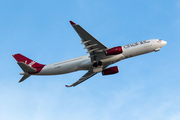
[(27, 61), (28, 66)]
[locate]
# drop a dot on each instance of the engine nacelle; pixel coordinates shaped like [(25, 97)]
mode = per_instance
[(110, 71), (114, 51)]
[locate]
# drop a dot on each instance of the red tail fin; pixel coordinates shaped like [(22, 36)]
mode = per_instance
[(29, 62)]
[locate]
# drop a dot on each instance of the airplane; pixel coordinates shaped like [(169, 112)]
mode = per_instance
[(98, 59)]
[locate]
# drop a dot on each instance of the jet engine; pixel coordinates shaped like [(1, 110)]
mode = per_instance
[(110, 71), (114, 51)]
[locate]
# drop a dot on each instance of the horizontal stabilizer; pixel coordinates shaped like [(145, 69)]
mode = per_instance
[(24, 77), (26, 68)]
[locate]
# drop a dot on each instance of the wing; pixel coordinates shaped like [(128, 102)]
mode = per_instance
[(91, 44), (89, 74)]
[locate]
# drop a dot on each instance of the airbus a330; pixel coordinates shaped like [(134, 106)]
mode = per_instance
[(98, 59)]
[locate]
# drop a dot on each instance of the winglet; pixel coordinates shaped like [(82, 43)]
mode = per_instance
[(72, 23), (67, 86)]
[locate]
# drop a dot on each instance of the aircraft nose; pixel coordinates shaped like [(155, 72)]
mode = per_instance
[(163, 42)]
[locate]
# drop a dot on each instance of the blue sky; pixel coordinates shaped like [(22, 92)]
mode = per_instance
[(146, 88)]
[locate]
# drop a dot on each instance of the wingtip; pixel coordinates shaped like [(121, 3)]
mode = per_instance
[(67, 86), (72, 23), (20, 81)]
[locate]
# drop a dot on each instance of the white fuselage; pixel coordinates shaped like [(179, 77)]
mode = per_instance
[(84, 62)]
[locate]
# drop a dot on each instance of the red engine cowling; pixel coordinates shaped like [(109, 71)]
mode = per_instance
[(114, 51), (110, 71)]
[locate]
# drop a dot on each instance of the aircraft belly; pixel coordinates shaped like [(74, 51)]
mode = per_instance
[(86, 65), (47, 70), (64, 66), (69, 67), (113, 59)]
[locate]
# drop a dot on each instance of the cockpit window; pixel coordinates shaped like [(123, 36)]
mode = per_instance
[(159, 41)]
